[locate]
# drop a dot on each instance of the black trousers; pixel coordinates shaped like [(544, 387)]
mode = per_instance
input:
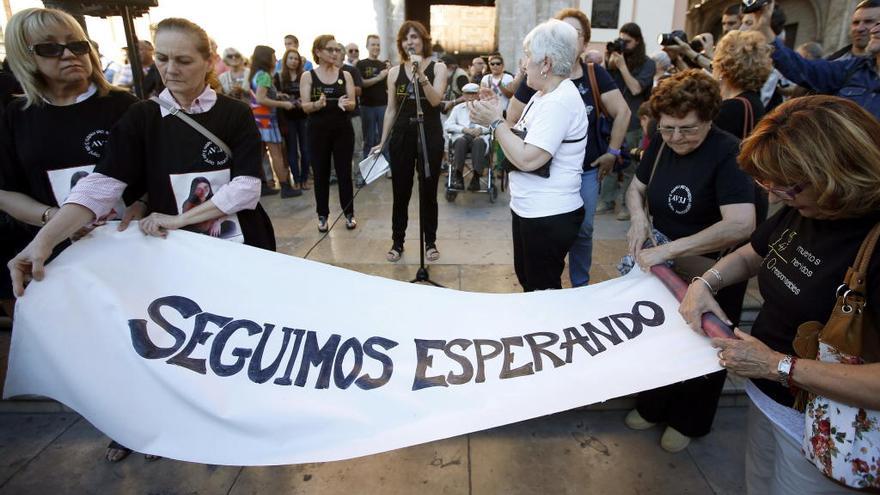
[(690, 406), (476, 146), (405, 155), (332, 140), (540, 245)]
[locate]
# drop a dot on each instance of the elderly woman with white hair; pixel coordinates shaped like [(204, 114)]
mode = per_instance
[(545, 149)]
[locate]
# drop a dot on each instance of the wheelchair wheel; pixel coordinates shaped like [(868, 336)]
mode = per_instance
[(451, 195)]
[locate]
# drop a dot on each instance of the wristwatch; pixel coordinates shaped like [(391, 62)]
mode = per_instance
[(783, 370)]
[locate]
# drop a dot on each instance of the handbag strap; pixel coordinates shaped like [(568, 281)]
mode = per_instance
[(856, 276), (748, 116), (594, 89), (648, 185), (192, 123)]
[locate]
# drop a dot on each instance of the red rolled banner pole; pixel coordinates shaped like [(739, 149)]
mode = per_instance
[(712, 325)]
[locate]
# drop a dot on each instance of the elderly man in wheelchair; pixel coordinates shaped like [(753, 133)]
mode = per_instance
[(462, 138)]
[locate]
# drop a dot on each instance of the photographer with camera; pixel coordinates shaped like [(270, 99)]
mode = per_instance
[(633, 72), (856, 79), (694, 55)]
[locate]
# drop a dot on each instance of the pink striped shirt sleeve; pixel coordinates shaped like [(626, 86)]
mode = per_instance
[(97, 192), (241, 193)]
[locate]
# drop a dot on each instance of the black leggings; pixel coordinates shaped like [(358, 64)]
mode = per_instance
[(404, 150), (540, 245), (690, 406), (334, 141)]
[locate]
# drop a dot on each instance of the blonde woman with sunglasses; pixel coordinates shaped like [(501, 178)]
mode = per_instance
[(59, 129)]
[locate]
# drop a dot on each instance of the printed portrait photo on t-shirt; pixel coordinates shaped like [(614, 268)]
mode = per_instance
[(191, 190), (62, 181)]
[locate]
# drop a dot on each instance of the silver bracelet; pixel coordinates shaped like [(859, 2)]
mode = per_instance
[(718, 276), (713, 291)]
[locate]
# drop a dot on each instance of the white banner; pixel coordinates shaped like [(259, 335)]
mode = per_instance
[(207, 351)]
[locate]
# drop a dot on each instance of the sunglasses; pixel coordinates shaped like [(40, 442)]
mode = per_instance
[(689, 130), (495, 63), (784, 193), (57, 49), (234, 55), (354, 51), (332, 49)]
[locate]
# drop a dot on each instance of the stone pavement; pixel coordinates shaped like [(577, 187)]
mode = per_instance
[(46, 448)]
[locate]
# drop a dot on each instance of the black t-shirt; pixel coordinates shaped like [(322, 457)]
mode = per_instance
[(644, 74), (403, 91), (165, 157), (45, 149), (358, 83), (376, 95), (291, 89), (687, 190), (732, 115), (330, 115), (605, 84), (805, 260)]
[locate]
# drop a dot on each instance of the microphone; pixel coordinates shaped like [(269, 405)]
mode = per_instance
[(412, 51)]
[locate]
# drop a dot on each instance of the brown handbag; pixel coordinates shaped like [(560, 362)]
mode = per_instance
[(850, 329)]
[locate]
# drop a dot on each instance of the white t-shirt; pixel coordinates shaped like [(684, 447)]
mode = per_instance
[(549, 120), (490, 82)]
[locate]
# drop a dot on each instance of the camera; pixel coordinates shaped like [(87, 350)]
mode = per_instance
[(668, 39), (751, 6), (618, 45)]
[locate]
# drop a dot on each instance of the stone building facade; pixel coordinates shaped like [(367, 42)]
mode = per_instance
[(515, 18), (824, 21)]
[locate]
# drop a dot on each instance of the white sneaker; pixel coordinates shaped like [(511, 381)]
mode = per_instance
[(673, 441), (635, 421)]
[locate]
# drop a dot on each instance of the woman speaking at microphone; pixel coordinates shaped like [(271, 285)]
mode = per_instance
[(414, 46)]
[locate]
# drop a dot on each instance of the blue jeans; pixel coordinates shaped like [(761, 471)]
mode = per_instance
[(371, 122), (580, 257), (297, 147)]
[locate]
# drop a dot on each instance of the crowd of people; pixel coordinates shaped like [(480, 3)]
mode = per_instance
[(731, 160)]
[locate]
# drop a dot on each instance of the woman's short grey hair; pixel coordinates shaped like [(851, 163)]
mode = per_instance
[(556, 41)]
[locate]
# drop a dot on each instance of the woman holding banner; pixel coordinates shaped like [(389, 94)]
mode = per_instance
[(689, 189), (820, 157), (58, 130), (156, 153)]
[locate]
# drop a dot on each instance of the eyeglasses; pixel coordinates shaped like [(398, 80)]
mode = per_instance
[(688, 130), (784, 193), (495, 63), (332, 49), (57, 49), (234, 55), (354, 51)]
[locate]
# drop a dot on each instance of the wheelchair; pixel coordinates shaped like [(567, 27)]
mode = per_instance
[(487, 181)]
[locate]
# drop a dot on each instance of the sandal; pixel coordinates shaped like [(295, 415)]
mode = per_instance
[(116, 452), (394, 253), (431, 252)]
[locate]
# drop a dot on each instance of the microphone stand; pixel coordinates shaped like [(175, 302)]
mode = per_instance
[(424, 173)]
